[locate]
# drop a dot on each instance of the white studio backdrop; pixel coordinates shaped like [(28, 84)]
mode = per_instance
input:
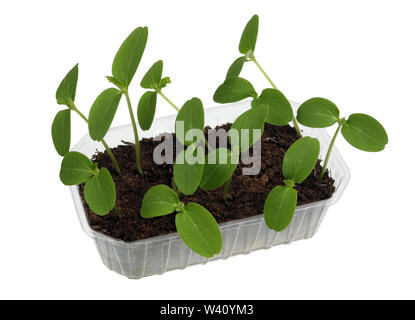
[(359, 54)]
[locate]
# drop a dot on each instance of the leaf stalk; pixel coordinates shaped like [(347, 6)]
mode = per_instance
[(254, 60), (107, 148)]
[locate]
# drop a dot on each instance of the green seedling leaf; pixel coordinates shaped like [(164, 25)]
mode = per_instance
[(192, 115), (279, 207), (249, 36), (236, 68), (102, 113), (164, 82), (365, 133), (61, 131), (129, 55), (300, 159), (115, 82), (318, 113), (187, 175), (99, 192), (67, 88), (251, 119), (152, 78), (199, 230), (159, 201), (216, 174), (76, 168), (280, 112), (233, 90), (146, 109)]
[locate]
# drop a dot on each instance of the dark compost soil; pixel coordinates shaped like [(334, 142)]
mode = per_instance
[(246, 194)]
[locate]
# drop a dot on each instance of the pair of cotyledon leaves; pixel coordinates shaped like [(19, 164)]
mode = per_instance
[(360, 130), (299, 160), (61, 125), (271, 106), (99, 190), (195, 225), (124, 67), (246, 47)]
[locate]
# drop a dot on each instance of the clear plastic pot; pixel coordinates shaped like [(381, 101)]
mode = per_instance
[(168, 252)]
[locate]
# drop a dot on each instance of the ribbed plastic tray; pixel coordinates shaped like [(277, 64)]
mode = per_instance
[(168, 252)]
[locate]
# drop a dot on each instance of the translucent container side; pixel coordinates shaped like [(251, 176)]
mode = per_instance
[(167, 252)]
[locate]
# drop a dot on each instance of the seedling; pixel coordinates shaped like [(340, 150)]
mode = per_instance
[(299, 160), (195, 224), (360, 130), (235, 88), (61, 126), (187, 173), (99, 191), (124, 67)]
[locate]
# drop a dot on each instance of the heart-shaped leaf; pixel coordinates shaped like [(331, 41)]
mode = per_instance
[(159, 201), (102, 113), (244, 126), (249, 36), (191, 116), (99, 192), (199, 230), (365, 133), (76, 168), (187, 175), (146, 109), (233, 90), (67, 88), (152, 78), (129, 55), (318, 113), (280, 112), (279, 207), (216, 174), (236, 68), (300, 159), (61, 131)]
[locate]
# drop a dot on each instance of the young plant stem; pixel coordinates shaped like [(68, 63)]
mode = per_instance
[(168, 100), (226, 189), (117, 210), (326, 160), (173, 184), (136, 139), (177, 109), (107, 148), (254, 60)]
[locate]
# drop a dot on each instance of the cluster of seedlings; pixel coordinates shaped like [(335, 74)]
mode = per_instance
[(194, 223)]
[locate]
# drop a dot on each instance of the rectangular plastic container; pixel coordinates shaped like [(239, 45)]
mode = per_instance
[(168, 252)]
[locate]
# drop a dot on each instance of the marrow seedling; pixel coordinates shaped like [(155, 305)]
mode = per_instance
[(61, 126), (188, 169), (194, 223), (360, 130), (124, 67), (99, 190), (236, 88), (299, 160)]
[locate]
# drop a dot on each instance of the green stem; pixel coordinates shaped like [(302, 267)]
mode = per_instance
[(226, 189), (173, 184), (168, 100), (177, 109), (107, 148), (329, 151), (117, 210), (296, 126), (136, 139)]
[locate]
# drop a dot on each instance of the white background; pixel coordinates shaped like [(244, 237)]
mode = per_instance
[(359, 54)]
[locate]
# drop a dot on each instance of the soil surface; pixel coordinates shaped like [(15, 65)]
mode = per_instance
[(247, 194)]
